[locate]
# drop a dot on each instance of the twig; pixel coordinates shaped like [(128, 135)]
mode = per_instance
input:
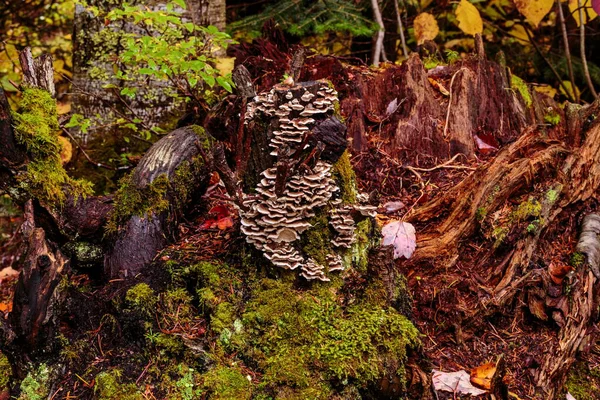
[(563, 27), (586, 71), (378, 51), (445, 165), (85, 154), (554, 71), (400, 29), (450, 101)]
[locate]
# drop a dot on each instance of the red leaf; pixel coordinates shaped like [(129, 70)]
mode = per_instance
[(596, 6)]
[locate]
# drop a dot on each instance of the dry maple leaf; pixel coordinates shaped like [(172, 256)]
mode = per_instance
[(400, 235)]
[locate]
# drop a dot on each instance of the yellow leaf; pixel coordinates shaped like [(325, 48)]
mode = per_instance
[(469, 20), (426, 27), (482, 376), (588, 12), (534, 10), (66, 151), (63, 108), (425, 4), (518, 31), (225, 65), (567, 85), (546, 89)]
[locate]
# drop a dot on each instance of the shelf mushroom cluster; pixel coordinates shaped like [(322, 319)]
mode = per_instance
[(295, 115), (274, 223)]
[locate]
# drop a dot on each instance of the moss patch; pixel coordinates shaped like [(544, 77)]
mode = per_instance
[(130, 201), (36, 128), (154, 198), (583, 382), (226, 383), (303, 340), (5, 372), (141, 297), (35, 386), (343, 174), (109, 387), (316, 241), (519, 85)]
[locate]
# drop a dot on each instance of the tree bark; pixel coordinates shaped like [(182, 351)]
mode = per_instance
[(93, 101)]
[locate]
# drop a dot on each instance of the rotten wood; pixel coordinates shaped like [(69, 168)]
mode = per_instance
[(143, 236)]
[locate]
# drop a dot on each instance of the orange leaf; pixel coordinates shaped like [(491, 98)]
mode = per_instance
[(482, 376), (6, 307), (224, 223)]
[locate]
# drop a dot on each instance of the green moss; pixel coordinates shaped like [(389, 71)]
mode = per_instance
[(155, 198), (223, 317), (343, 174), (519, 85), (316, 241), (225, 383), (5, 372), (130, 200), (552, 195), (36, 128), (499, 234), (480, 214), (527, 209), (577, 260), (35, 385), (431, 62), (109, 387), (206, 141), (552, 117), (304, 339), (181, 383), (141, 297), (85, 253), (169, 343), (583, 382), (366, 239)]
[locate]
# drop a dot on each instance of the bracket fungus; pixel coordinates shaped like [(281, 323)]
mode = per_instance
[(297, 189)]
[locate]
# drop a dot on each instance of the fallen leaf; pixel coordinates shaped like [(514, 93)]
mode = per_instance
[(558, 271), (400, 235), (436, 84), (224, 223), (482, 376), (483, 146), (392, 107), (393, 206), (6, 307), (426, 27), (63, 108), (596, 6), (589, 11), (456, 382), (546, 89), (218, 217), (469, 20), (66, 150), (8, 272), (534, 10), (569, 395)]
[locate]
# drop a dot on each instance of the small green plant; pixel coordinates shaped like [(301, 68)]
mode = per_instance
[(552, 117), (163, 48), (452, 56)]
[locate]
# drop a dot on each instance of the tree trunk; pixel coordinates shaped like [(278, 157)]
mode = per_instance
[(93, 101)]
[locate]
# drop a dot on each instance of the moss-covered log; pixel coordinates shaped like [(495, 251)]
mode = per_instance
[(172, 173)]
